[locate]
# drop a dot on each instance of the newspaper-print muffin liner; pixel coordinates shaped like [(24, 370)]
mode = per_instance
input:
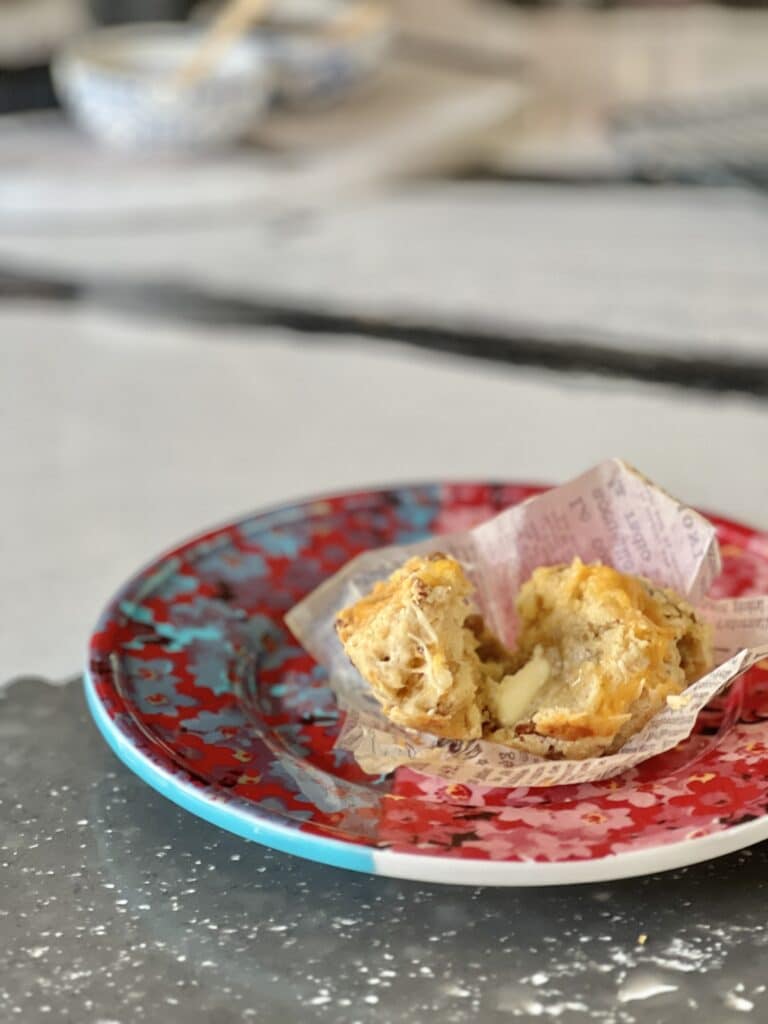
[(610, 514)]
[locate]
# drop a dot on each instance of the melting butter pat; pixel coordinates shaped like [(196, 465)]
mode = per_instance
[(510, 698)]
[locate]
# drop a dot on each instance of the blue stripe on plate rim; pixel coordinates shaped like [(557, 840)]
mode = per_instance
[(259, 828)]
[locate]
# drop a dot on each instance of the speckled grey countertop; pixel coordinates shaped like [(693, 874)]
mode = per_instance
[(117, 907)]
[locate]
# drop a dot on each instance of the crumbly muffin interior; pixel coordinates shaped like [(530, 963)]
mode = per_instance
[(598, 653), (409, 640)]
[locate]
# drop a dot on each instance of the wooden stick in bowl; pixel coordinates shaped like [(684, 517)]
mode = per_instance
[(239, 15), (225, 30)]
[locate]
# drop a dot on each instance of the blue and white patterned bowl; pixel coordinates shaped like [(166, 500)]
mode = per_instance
[(311, 65), (117, 83)]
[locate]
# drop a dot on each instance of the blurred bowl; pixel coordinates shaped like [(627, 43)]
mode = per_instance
[(312, 63), (118, 84)]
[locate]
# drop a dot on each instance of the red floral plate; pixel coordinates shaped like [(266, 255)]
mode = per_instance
[(199, 687)]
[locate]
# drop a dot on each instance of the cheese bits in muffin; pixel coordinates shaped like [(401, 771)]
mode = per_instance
[(598, 653), (604, 650)]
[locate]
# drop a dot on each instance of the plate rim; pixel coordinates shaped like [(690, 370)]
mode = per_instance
[(253, 825)]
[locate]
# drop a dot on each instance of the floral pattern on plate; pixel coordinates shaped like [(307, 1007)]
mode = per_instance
[(193, 667)]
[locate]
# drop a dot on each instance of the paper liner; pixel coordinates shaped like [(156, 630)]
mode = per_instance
[(610, 514)]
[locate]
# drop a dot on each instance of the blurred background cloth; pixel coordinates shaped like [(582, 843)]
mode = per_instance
[(481, 101), (667, 92)]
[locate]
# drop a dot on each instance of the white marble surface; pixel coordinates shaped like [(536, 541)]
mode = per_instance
[(671, 270), (119, 438)]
